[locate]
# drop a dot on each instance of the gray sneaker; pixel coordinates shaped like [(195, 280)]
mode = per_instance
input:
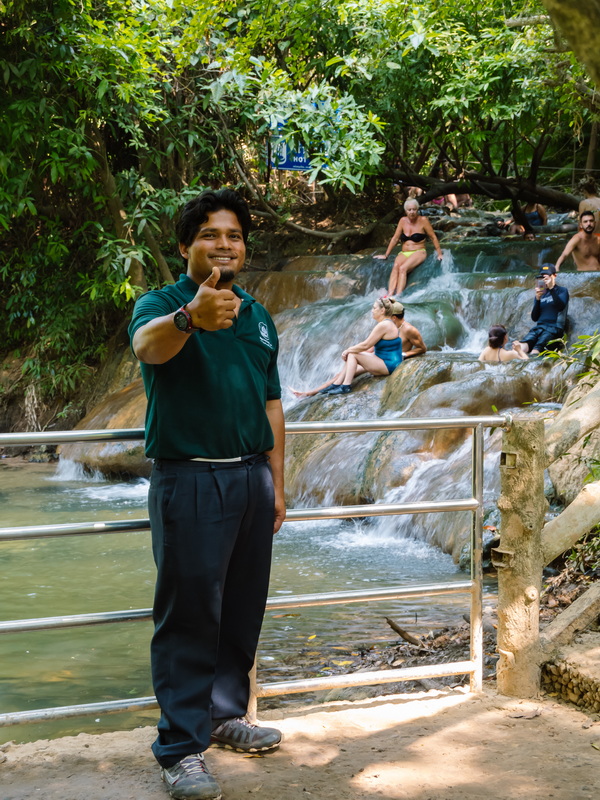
[(190, 779), (243, 736)]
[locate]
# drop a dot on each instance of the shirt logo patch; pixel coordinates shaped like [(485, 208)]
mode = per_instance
[(263, 332)]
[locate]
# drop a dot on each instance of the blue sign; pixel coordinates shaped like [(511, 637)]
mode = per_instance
[(283, 157)]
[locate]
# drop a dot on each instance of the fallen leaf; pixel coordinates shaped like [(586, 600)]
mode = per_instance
[(314, 636), (596, 745), (342, 663)]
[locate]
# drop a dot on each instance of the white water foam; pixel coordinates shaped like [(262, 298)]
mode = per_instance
[(68, 470)]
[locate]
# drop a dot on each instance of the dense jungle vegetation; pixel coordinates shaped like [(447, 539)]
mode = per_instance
[(114, 113)]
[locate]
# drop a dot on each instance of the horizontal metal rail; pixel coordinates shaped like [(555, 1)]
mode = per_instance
[(273, 603), (347, 426), (473, 504), (265, 690), (293, 515)]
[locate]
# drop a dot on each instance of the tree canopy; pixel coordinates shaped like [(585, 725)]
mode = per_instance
[(115, 113)]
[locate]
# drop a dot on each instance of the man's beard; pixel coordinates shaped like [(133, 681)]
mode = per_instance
[(227, 275)]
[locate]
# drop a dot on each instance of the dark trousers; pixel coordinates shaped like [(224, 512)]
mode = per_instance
[(212, 534)]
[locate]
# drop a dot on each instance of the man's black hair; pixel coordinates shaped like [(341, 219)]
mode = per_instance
[(196, 211), (586, 214)]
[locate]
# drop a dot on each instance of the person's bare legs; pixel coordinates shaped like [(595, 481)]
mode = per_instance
[(402, 266), (335, 380), (365, 362)]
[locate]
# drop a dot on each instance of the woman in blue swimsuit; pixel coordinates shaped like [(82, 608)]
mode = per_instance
[(412, 231), (380, 353)]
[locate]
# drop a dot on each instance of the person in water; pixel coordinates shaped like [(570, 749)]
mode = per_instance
[(525, 219), (584, 246), (591, 201), (412, 231), (495, 352), (380, 353), (412, 341), (549, 312)]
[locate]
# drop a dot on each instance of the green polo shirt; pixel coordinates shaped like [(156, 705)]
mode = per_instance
[(209, 400)]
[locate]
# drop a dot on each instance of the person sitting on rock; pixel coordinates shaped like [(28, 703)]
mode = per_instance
[(494, 352), (412, 341), (412, 231), (380, 353), (549, 312)]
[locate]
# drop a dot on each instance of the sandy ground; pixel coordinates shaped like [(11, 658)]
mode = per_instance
[(432, 746)]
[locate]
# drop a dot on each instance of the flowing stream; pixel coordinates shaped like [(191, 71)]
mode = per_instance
[(321, 305)]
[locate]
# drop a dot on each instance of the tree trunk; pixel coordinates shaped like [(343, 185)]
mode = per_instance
[(579, 22), (574, 421), (163, 267), (522, 506), (578, 518), (593, 146), (115, 204)]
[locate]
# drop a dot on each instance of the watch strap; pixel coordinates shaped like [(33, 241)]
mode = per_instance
[(191, 328)]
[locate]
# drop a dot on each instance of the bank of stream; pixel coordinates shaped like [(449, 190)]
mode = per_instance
[(321, 305)]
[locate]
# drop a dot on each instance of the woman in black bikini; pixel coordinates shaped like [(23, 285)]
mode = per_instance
[(412, 231)]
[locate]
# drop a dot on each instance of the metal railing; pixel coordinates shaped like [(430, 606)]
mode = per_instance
[(474, 504)]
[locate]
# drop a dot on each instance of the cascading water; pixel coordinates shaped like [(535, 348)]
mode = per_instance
[(321, 305)]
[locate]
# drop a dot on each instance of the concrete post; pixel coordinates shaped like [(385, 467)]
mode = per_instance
[(519, 558)]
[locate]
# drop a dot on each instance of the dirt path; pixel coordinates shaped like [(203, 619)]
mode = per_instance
[(434, 746)]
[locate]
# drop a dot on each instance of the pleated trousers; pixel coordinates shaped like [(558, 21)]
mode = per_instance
[(212, 534)]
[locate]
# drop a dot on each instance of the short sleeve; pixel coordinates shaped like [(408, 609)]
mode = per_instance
[(149, 306)]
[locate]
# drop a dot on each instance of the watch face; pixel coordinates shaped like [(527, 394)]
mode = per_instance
[(181, 321)]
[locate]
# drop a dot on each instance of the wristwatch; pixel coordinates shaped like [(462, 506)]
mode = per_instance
[(182, 320)]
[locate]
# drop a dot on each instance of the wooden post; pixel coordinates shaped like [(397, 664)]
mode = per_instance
[(519, 558)]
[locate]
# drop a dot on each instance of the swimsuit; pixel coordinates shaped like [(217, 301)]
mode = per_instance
[(390, 352), (408, 253), (534, 218), (414, 237)]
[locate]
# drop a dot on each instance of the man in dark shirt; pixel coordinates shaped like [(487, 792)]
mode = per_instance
[(215, 429), (549, 312)]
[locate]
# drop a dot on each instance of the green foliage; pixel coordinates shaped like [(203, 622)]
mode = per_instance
[(115, 113), (584, 353), (585, 556)]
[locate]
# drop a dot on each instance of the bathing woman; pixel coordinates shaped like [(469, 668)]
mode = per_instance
[(495, 352), (380, 353), (412, 231)]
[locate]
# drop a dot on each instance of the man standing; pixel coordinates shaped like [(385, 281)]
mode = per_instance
[(412, 341), (215, 429), (549, 313), (584, 246)]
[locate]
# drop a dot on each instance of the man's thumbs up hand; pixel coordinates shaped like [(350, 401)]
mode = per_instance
[(212, 308)]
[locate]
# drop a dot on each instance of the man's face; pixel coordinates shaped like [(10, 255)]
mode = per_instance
[(588, 223), (549, 280), (218, 243)]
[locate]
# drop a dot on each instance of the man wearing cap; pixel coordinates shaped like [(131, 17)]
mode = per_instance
[(549, 312), (412, 341), (215, 429), (584, 246)]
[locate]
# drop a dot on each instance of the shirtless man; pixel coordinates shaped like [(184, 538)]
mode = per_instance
[(412, 341), (591, 201), (584, 246)]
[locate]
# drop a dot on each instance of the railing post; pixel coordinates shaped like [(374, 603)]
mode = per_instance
[(476, 681), (519, 558)]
